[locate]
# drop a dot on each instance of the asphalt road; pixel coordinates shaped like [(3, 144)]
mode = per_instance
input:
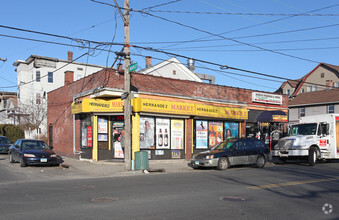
[(291, 191)]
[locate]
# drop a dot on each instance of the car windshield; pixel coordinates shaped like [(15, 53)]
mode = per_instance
[(304, 129), (4, 140), (35, 145), (223, 145)]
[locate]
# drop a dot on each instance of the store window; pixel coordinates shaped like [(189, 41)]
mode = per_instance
[(177, 134), (162, 133), (146, 133), (215, 130), (232, 130), (201, 134), (86, 132)]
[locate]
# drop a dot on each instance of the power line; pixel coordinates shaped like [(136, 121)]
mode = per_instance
[(254, 50), (166, 3), (239, 13)]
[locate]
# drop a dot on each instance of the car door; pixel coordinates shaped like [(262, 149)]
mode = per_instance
[(250, 153), (17, 150), (236, 153)]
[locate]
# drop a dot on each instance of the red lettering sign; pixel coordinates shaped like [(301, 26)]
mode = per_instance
[(322, 142), (89, 136)]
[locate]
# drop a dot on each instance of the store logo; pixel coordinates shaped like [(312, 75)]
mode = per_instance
[(327, 208)]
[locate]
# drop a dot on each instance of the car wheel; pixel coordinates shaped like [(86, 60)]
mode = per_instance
[(22, 162), (11, 160), (222, 163), (261, 161), (312, 156)]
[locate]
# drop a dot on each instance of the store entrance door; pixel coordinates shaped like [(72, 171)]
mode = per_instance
[(117, 126)]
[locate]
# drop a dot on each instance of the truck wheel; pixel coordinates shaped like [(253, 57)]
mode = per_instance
[(312, 156), (222, 163), (261, 161)]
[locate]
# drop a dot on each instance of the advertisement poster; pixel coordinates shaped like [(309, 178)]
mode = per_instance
[(337, 129), (146, 133), (215, 130), (102, 137), (177, 134), (232, 130), (102, 125), (176, 154), (118, 153), (89, 136), (162, 126), (201, 134)]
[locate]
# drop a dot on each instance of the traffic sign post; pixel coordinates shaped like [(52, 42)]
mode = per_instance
[(132, 67)]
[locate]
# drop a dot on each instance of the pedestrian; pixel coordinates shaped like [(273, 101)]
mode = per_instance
[(122, 141)]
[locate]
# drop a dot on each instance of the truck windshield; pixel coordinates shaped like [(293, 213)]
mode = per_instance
[(304, 129)]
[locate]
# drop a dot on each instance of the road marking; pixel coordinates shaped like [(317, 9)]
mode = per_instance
[(291, 183)]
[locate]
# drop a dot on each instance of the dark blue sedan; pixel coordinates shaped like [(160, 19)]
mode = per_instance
[(4, 144), (32, 152)]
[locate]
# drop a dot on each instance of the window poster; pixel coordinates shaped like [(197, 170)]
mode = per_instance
[(201, 134), (118, 153), (232, 130), (177, 134), (162, 126), (102, 137), (215, 130), (146, 133), (84, 137), (89, 136), (102, 125)]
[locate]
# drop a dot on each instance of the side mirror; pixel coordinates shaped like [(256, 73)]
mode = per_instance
[(16, 146)]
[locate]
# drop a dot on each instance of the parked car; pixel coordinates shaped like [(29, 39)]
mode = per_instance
[(4, 144), (32, 152), (233, 152)]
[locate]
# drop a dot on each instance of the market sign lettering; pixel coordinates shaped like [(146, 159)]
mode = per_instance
[(160, 106), (221, 112)]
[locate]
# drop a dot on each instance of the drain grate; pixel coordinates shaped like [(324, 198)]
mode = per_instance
[(232, 199), (103, 199)]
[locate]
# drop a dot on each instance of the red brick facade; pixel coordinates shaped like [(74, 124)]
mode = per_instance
[(60, 100)]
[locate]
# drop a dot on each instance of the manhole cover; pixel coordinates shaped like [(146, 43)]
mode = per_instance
[(232, 199), (103, 199)]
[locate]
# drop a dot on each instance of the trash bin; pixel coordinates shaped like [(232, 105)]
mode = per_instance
[(141, 160)]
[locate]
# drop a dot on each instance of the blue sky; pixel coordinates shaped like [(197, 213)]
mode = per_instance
[(265, 36)]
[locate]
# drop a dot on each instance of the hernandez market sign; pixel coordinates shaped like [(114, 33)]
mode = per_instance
[(266, 98), (159, 106)]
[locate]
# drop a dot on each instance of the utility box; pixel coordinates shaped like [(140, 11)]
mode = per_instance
[(141, 160)]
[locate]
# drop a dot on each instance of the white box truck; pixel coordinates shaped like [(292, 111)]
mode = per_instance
[(314, 137)]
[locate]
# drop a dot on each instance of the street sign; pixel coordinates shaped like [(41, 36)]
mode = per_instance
[(132, 67)]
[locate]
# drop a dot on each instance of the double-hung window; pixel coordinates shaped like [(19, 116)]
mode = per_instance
[(50, 77)]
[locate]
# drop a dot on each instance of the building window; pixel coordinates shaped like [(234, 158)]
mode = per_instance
[(38, 99), (336, 85), (50, 77), (174, 72), (37, 76), (314, 88), (301, 112), (288, 92), (322, 75), (309, 89), (302, 90), (330, 109)]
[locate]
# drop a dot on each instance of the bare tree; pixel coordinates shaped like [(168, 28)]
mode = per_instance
[(33, 114)]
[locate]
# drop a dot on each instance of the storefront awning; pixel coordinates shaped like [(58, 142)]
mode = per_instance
[(272, 116)]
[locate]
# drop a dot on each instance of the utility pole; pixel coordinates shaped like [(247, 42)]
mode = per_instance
[(127, 89)]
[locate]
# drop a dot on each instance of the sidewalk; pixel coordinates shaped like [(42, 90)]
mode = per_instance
[(116, 167)]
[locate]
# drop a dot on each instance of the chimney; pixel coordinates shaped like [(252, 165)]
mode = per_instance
[(70, 55), (120, 68), (190, 64), (148, 61), (69, 76), (329, 84)]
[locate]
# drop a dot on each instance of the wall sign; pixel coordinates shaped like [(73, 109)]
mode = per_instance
[(266, 98)]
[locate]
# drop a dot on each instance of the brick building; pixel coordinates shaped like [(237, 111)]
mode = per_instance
[(171, 118)]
